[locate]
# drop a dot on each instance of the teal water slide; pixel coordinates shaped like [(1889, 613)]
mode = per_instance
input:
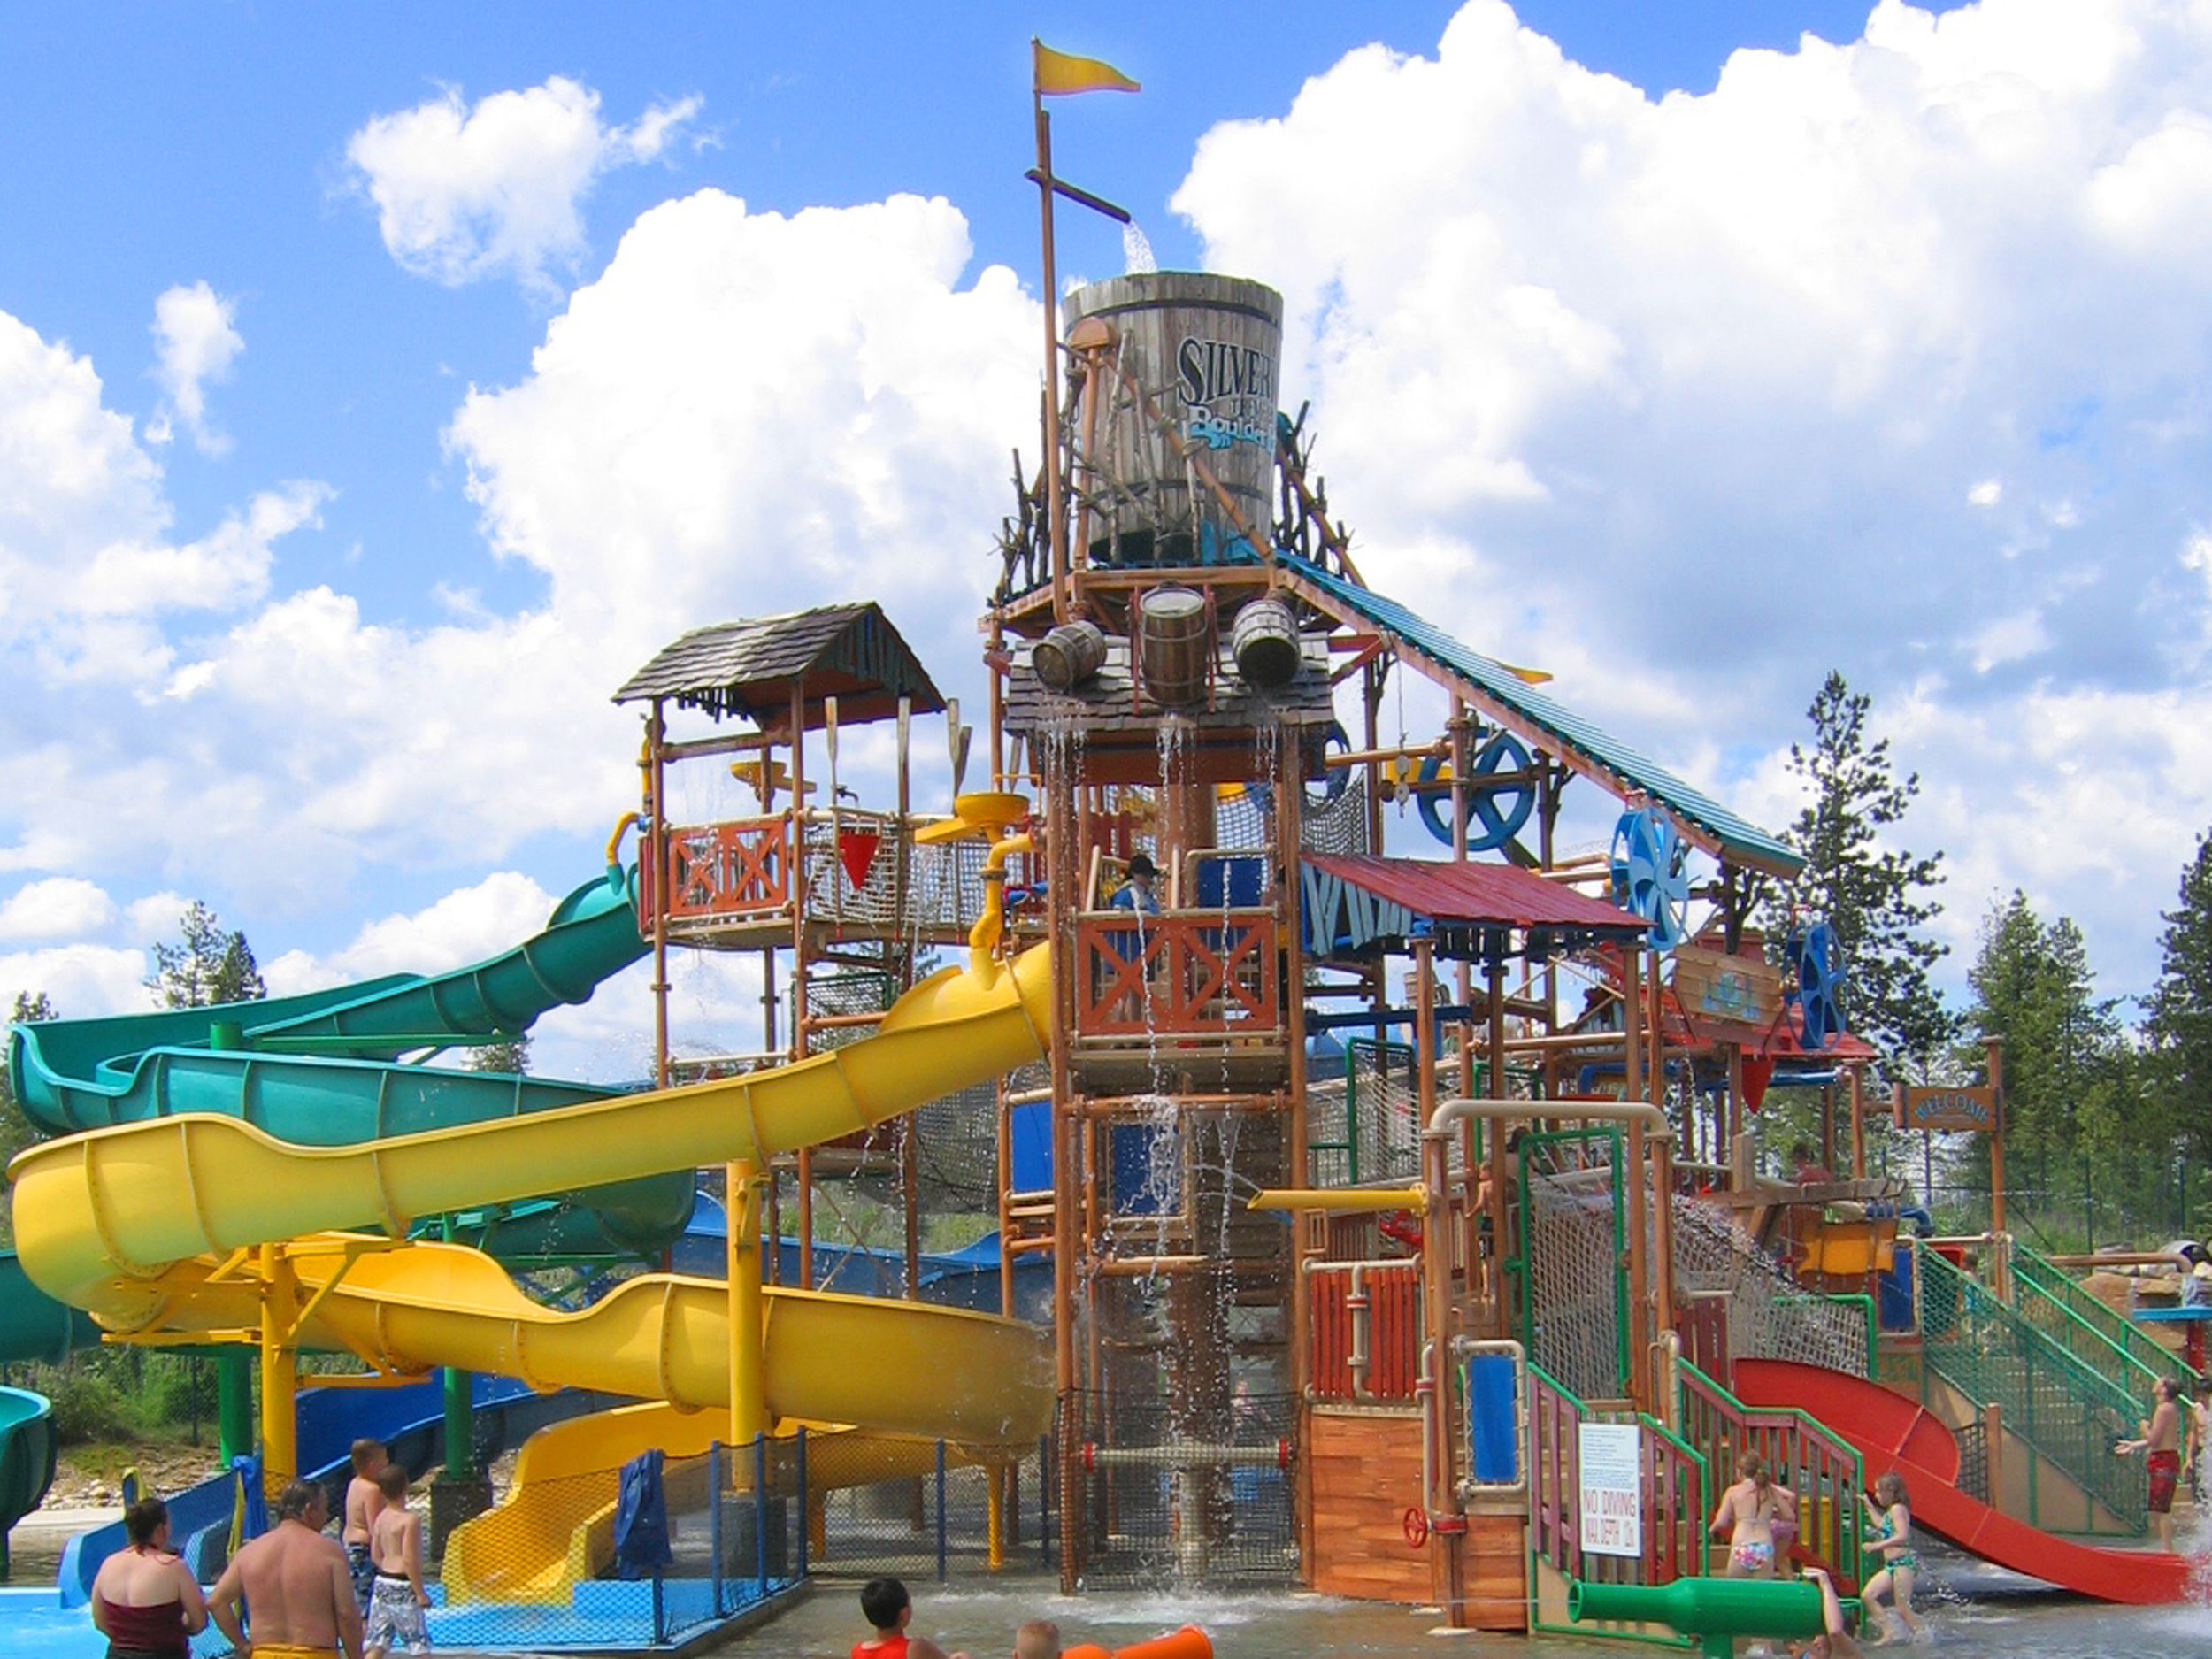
[(321, 1069)]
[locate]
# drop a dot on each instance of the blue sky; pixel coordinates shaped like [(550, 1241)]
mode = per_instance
[(1884, 351)]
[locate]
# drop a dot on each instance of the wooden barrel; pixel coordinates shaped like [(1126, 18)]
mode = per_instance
[(1070, 655), (1174, 652), (1263, 640), (1202, 350)]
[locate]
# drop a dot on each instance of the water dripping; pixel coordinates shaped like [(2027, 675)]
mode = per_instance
[(1136, 250)]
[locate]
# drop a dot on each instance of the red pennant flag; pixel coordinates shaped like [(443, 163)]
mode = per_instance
[(1758, 1071), (857, 851)]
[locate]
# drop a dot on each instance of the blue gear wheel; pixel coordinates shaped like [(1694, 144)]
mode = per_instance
[(1651, 875), (1817, 956), (1500, 809)]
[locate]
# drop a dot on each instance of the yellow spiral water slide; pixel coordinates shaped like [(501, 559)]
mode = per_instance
[(188, 1225)]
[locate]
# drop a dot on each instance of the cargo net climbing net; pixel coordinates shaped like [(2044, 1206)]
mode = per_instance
[(1768, 1314), (1577, 1292)]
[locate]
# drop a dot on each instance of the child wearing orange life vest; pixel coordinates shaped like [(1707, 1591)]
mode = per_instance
[(886, 1605)]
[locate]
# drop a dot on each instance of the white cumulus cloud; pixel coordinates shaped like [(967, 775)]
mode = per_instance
[(59, 907), (195, 341), (497, 188), (1695, 377)]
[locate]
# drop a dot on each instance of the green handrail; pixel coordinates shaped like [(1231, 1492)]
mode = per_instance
[(1740, 1416), (2062, 1407), (2142, 1353)]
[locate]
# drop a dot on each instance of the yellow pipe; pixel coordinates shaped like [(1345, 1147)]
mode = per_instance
[(614, 841), (983, 938), (97, 1216), (1344, 1200)]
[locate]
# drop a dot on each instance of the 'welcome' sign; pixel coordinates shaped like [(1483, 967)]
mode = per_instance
[(1949, 1109)]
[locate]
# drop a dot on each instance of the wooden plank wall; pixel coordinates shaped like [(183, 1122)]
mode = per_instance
[(1366, 1472)]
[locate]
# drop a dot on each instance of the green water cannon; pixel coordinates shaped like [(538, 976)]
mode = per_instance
[(1711, 1611)]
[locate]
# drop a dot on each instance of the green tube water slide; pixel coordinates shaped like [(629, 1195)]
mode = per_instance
[(320, 1070), (27, 1447)]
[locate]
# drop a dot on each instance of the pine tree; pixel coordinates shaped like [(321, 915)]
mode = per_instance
[(16, 1132), (1875, 896), (2180, 1023), (209, 965), (511, 1056)]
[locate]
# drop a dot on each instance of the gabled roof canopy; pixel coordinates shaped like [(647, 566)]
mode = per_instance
[(752, 667), (1355, 906)]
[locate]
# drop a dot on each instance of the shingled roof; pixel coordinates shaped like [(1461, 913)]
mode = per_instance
[(751, 667)]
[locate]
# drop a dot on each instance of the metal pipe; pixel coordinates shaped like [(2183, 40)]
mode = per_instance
[(1346, 1200), (1449, 1114)]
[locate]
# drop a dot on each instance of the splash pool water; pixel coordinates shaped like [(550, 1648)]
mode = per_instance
[(1295, 1626)]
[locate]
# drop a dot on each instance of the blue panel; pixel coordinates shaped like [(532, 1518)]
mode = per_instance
[(1493, 1411), (1231, 883), (1030, 1130), (1136, 1192)]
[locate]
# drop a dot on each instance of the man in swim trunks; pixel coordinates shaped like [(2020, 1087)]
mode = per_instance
[(2160, 1439), (364, 1502), (296, 1583)]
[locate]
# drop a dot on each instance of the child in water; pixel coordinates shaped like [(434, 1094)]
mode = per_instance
[(886, 1605), (1748, 1513), (1891, 1516)]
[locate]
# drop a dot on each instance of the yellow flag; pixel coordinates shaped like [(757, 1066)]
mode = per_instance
[(1057, 72)]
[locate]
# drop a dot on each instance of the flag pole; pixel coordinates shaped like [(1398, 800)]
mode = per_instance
[(1055, 519)]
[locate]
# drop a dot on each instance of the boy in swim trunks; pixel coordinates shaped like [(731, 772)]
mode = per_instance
[(398, 1597), (2161, 1440), (363, 1502)]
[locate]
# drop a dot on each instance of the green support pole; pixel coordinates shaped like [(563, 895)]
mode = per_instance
[(233, 1404), (460, 1432)]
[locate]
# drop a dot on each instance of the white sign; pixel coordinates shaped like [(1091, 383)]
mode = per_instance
[(1611, 1456)]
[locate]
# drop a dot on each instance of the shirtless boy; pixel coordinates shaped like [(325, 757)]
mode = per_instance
[(2161, 1440), (398, 1597), (363, 1501)]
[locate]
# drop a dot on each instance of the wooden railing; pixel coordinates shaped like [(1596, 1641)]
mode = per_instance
[(1824, 1470), (1366, 1331), (1675, 1485), (1177, 973), (725, 871)]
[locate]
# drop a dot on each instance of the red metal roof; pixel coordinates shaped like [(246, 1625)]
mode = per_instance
[(1477, 895)]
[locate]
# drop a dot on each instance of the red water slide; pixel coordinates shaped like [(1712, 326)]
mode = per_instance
[(1891, 1432)]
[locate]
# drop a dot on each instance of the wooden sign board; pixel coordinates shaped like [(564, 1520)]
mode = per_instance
[(1950, 1109), (1715, 985)]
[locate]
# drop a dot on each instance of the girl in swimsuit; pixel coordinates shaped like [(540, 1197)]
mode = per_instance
[(1748, 1513), (143, 1600), (1891, 1516)]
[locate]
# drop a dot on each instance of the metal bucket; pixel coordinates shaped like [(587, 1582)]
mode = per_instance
[(1070, 655), (1202, 351), (1174, 653), (1263, 640)]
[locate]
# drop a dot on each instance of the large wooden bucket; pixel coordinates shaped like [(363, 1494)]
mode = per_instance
[(1263, 641), (1174, 653), (1070, 655), (1192, 360)]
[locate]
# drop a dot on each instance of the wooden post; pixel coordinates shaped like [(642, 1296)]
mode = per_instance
[(1632, 1175), (1061, 867), (1996, 1045), (1828, 1126), (1055, 520), (903, 846), (799, 1036), (1436, 1247), (1290, 794), (656, 847), (1733, 1118), (1856, 1077), (1502, 1296)]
